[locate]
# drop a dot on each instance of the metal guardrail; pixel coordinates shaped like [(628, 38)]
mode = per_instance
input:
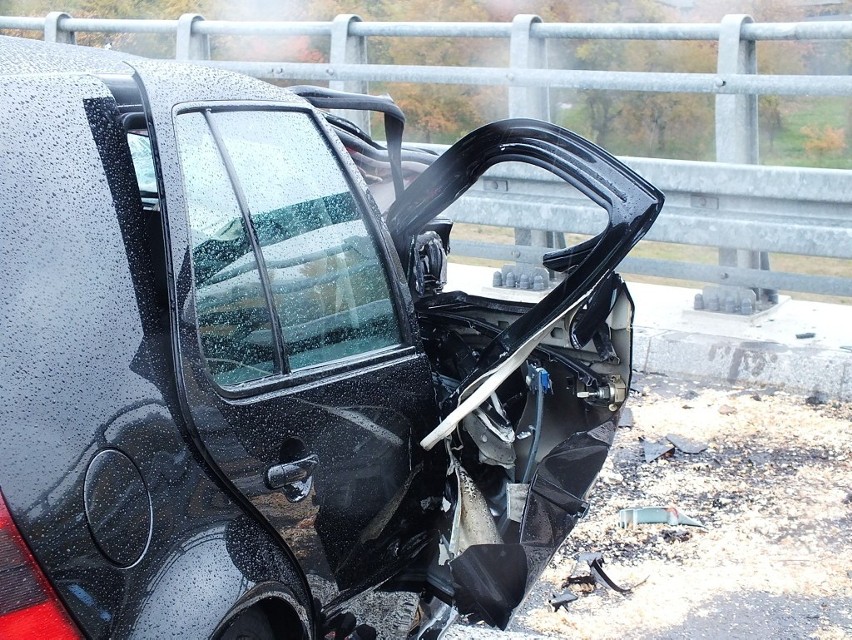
[(753, 208), (744, 210)]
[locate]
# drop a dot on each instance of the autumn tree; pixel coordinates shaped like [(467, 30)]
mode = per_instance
[(824, 141), (435, 112), (640, 122), (678, 125)]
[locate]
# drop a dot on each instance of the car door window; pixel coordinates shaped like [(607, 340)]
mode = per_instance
[(329, 287), (231, 308)]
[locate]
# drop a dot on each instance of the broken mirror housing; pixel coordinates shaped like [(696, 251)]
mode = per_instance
[(241, 392)]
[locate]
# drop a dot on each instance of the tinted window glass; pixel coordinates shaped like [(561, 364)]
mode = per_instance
[(330, 290), (233, 317)]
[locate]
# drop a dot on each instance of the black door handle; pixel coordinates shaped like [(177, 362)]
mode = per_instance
[(293, 478)]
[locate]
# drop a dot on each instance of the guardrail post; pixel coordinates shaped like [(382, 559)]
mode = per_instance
[(191, 45), (53, 31), (349, 49), (737, 126), (527, 52)]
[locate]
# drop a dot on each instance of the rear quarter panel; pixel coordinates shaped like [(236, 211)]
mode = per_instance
[(86, 366)]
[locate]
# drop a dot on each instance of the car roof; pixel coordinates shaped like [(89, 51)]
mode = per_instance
[(22, 56), (27, 57)]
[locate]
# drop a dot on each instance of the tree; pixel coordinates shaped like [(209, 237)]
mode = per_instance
[(824, 141), (641, 123), (626, 122), (770, 119)]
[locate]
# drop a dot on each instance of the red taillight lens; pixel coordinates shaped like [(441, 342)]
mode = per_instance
[(29, 608)]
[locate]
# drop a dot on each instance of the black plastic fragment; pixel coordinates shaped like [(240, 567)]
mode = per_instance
[(596, 569), (490, 581), (685, 444), (596, 575), (563, 600), (654, 450)]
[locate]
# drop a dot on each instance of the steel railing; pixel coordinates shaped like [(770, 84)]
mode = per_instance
[(751, 208), (745, 211)]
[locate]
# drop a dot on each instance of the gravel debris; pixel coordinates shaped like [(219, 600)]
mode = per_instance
[(772, 487)]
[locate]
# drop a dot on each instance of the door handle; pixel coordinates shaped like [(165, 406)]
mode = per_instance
[(294, 478)]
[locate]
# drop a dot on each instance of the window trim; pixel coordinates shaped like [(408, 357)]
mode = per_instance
[(284, 377), (280, 357)]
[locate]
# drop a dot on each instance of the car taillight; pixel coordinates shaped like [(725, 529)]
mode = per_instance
[(29, 607)]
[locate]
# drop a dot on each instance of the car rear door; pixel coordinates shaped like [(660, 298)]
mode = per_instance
[(505, 349), (298, 364)]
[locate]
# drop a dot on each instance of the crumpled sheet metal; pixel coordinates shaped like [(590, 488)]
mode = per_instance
[(472, 520)]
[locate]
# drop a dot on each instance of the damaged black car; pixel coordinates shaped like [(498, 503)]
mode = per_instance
[(240, 397)]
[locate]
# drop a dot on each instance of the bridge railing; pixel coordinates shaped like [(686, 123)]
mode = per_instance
[(750, 208), (743, 209)]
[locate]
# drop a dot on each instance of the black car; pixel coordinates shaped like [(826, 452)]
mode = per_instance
[(236, 399)]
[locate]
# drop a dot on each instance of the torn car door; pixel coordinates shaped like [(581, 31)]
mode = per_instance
[(529, 393)]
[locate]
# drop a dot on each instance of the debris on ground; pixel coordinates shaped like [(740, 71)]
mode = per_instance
[(626, 418), (676, 535), (595, 562), (817, 399), (685, 445), (774, 488), (588, 573), (655, 515), (563, 599), (759, 458), (654, 450), (727, 410), (805, 335)]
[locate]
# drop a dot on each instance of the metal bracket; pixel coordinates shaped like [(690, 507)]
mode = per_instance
[(737, 129), (736, 115), (53, 31), (191, 45), (527, 52), (349, 49)]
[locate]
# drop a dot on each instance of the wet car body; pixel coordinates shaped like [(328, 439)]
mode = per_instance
[(236, 396)]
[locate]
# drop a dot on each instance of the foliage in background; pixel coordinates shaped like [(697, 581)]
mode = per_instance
[(824, 141), (793, 131), (435, 113)]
